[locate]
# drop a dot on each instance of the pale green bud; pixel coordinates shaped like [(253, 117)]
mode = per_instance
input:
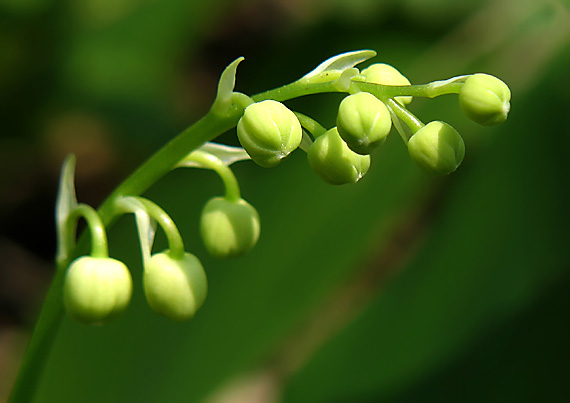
[(485, 99), (269, 132), (382, 73), (334, 162), (229, 228), (437, 147), (363, 122), (96, 290), (175, 288)]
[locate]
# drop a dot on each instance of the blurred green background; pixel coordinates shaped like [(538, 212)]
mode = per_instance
[(403, 288)]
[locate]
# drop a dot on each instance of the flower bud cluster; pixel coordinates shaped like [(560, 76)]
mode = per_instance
[(342, 154), (98, 289)]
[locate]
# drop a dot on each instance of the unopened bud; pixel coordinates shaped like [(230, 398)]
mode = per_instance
[(229, 228), (334, 162), (485, 99), (269, 131), (363, 122), (175, 288), (96, 290), (437, 147)]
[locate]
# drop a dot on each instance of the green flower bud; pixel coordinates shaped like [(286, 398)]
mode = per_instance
[(437, 147), (363, 122), (229, 228), (485, 99), (96, 290), (175, 288), (269, 132), (334, 162), (382, 73)]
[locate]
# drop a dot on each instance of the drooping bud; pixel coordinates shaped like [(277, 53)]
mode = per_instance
[(485, 99), (175, 288), (229, 228), (269, 131), (363, 122), (96, 290), (382, 73), (437, 147), (334, 162)]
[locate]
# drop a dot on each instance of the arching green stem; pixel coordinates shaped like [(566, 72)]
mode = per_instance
[(296, 90), (175, 242), (99, 247), (209, 161)]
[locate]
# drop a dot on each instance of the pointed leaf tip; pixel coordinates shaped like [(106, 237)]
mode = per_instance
[(227, 83), (341, 62), (66, 201)]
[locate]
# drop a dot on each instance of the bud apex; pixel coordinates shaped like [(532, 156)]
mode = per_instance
[(382, 73), (485, 99), (334, 162), (229, 228), (175, 288), (437, 147), (96, 290), (363, 122), (269, 131)]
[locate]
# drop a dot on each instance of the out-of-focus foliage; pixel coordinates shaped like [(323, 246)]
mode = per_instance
[(401, 288)]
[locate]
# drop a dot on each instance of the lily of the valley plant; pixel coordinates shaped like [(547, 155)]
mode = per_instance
[(94, 288)]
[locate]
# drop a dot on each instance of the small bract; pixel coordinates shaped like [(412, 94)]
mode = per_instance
[(334, 162), (269, 131), (437, 147), (485, 99), (175, 288), (229, 228), (382, 73), (96, 290), (363, 122)]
